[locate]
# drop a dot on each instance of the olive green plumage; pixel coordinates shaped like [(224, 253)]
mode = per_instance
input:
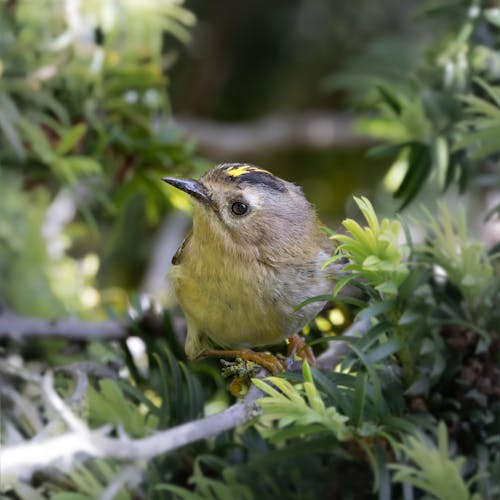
[(255, 252)]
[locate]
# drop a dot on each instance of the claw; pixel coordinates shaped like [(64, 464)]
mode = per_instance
[(297, 345)]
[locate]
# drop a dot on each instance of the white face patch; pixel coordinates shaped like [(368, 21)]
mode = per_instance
[(255, 199)]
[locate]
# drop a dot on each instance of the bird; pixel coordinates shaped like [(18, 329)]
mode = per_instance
[(255, 252)]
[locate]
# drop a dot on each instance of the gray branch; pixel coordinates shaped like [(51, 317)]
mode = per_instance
[(330, 358), (20, 461), (19, 327), (313, 130)]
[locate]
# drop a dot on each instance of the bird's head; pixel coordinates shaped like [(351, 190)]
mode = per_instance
[(245, 205)]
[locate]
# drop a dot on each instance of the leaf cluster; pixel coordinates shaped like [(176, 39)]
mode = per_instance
[(438, 122), (85, 138), (374, 251)]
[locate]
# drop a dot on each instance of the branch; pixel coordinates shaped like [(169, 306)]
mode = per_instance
[(22, 460), (19, 327), (330, 358), (312, 130)]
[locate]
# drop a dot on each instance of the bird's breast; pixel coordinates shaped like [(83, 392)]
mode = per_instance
[(241, 301)]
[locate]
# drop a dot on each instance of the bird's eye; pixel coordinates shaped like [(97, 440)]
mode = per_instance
[(239, 208)]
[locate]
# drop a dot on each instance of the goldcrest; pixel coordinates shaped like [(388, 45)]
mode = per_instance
[(254, 253)]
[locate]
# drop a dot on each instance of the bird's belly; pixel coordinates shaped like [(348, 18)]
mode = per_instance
[(234, 314), (236, 308)]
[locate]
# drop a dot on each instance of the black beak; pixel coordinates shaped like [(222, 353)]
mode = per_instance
[(191, 187)]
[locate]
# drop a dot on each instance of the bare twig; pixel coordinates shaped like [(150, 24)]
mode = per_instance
[(69, 418), (18, 327), (80, 371), (314, 130), (18, 371), (130, 476), (329, 359)]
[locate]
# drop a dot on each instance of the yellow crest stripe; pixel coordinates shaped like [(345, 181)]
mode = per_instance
[(244, 169)]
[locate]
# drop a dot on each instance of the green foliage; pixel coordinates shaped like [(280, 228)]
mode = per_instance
[(23, 251), (90, 482), (374, 251), (434, 472), (108, 405), (297, 414), (428, 324), (206, 488), (84, 115), (479, 130), (463, 260), (438, 120)]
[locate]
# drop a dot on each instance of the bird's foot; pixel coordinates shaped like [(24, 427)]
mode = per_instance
[(297, 346), (265, 360), (245, 365)]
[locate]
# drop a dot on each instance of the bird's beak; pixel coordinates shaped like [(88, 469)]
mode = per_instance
[(191, 187)]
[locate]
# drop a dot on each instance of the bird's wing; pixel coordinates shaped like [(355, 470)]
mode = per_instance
[(177, 258)]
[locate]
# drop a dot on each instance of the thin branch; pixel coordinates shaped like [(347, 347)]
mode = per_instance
[(330, 358), (130, 476), (313, 130), (24, 459), (80, 371), (69, 418), (19, 327)]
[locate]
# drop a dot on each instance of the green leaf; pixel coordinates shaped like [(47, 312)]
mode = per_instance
[(341, 283), (440, 160), (8, 118), (434, 472), (493, 92), (70, 138), (332, 390), (481, 106), (317, 298), (409, 317), (390, 98), (419, 165), (380, 404), (81, 165), (376, 309), (37, 140), (110, 406), (386, 150), (359, 401), (384, 350), (387, 288), (373, 335), (480, 136)]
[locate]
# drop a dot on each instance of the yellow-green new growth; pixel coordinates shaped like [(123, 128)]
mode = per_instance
[(463, 259), (374, 251), (433, 471), (289, 405)]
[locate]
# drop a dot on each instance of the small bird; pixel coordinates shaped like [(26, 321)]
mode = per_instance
[(254, 253)]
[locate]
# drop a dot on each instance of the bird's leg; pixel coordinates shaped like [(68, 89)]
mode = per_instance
[(267, 361), (297, 345)]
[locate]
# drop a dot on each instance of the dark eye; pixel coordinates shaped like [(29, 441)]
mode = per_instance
[(239, 208)]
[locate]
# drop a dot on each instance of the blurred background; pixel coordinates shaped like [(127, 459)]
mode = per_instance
[(101, 98), (261, 83)]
